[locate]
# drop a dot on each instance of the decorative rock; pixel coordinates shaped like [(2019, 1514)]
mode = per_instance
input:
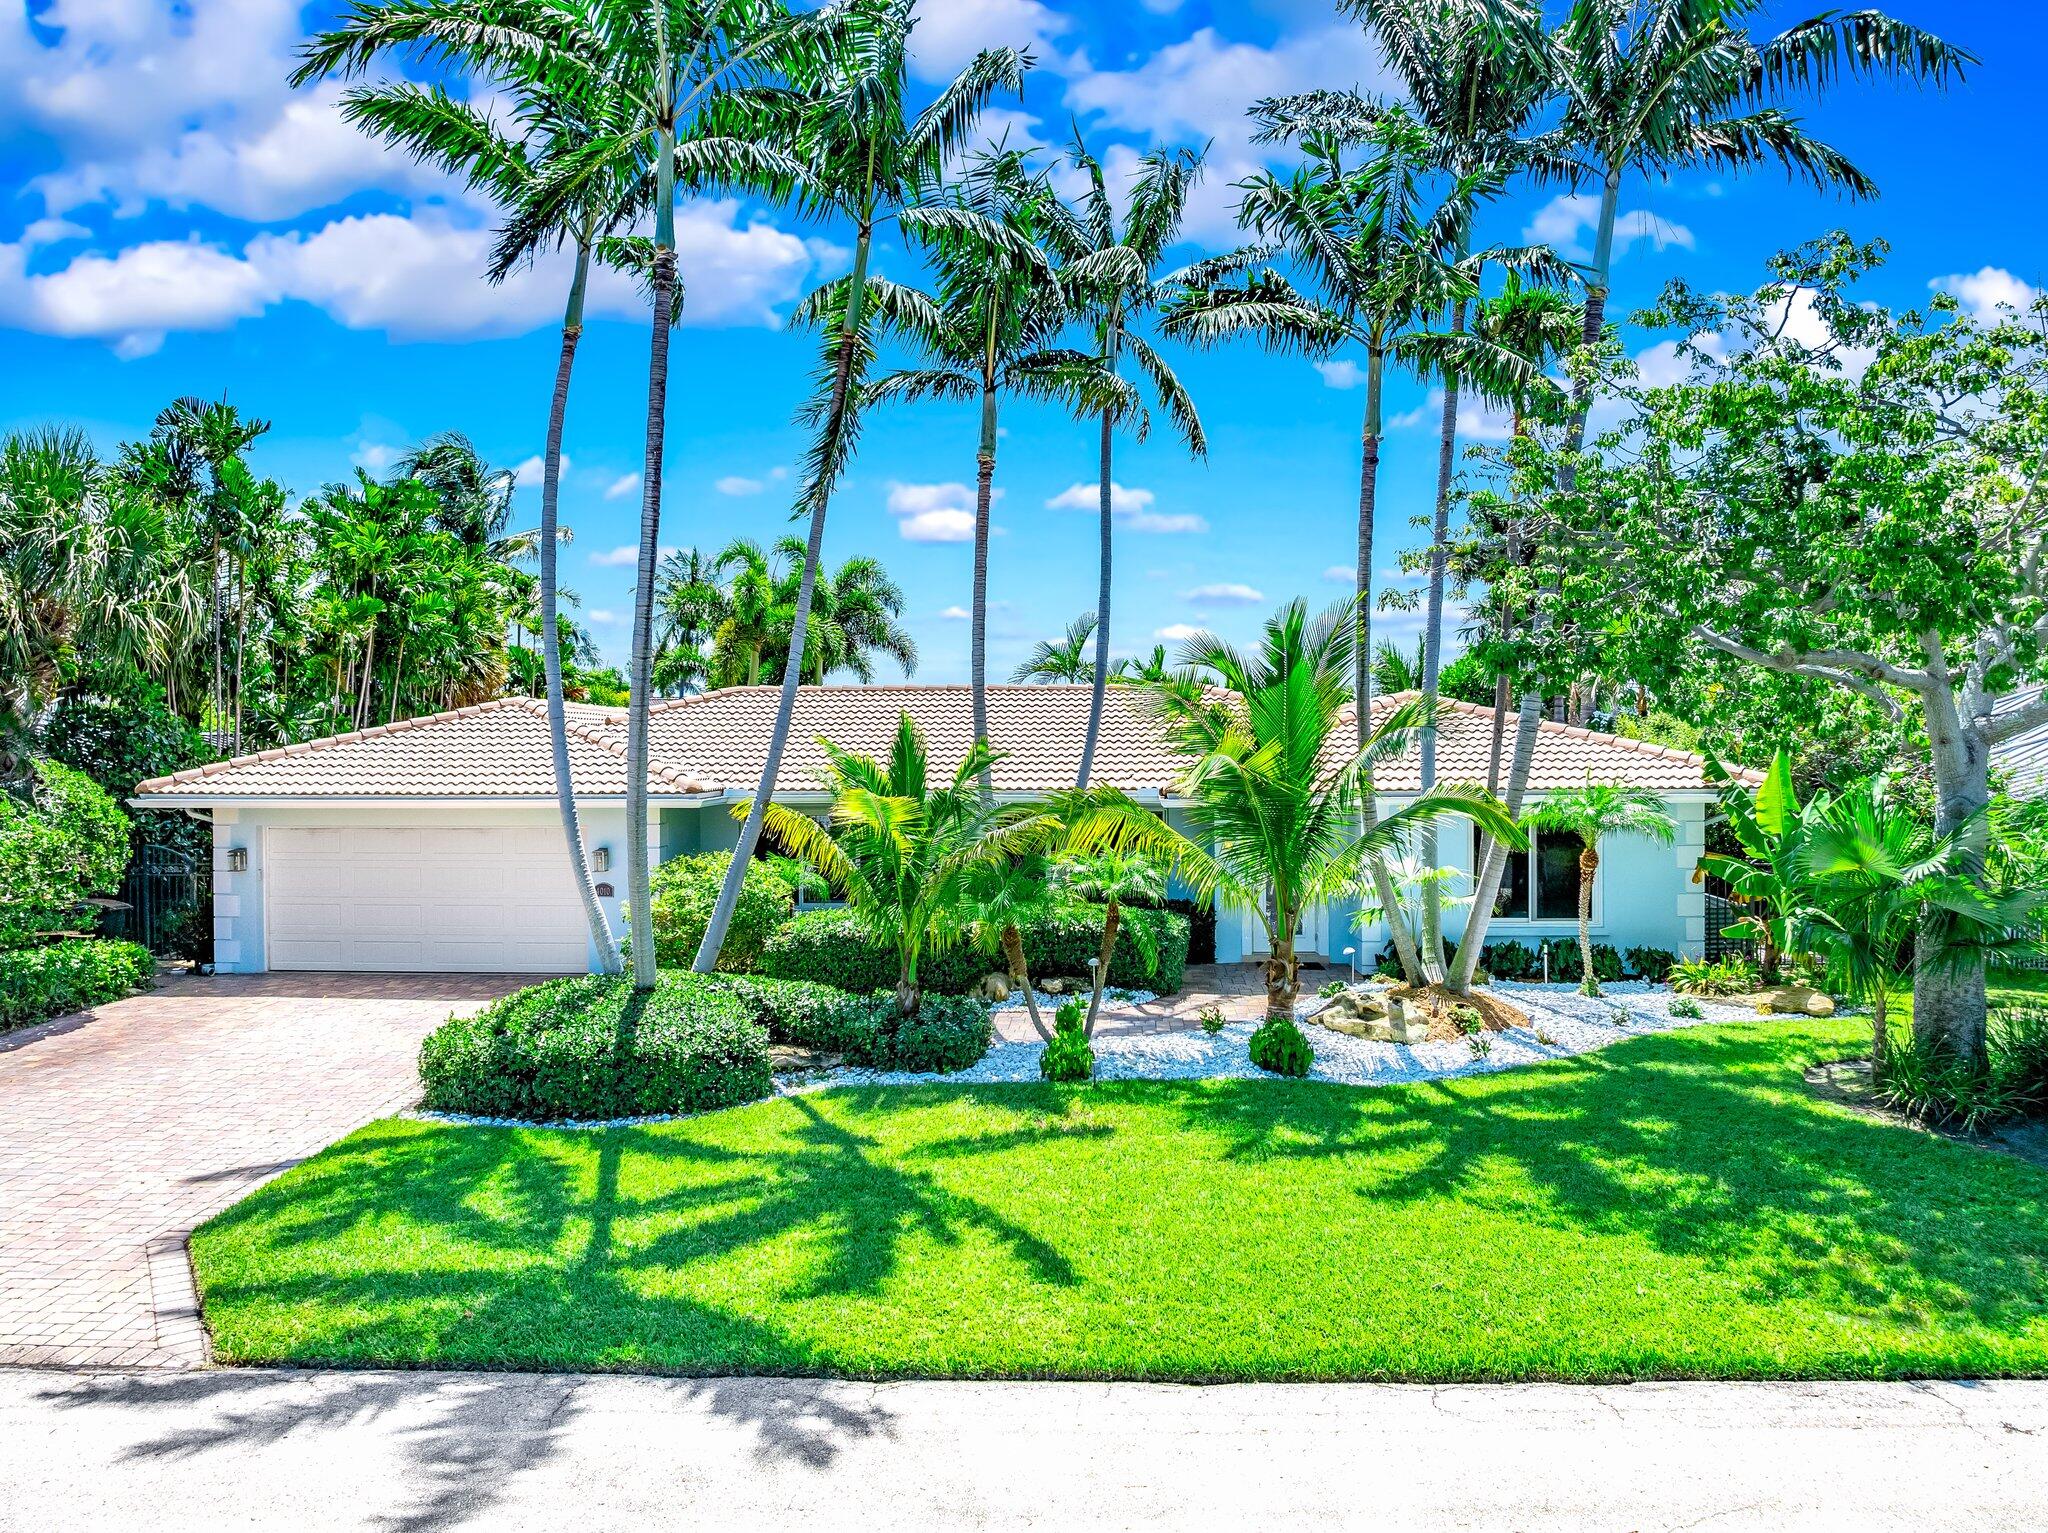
[(1408, 1029), (1053, 986), (1786, 1000), (788, 1059)]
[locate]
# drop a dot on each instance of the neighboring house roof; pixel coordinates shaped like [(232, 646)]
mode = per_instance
[(719, 742), (2024, 757)]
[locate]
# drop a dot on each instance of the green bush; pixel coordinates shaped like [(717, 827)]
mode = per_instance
[(1689, 1009), (1279, 1046), (831, 947), (1510, 960), (1068, 1057), (592, 1047), (686, 888), (1733, 975), (949, 1032), (37, 983), (810, 1016), (1650, 963), (1568, 967), (68, 841)]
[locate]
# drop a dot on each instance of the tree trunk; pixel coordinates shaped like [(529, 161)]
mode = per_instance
[(785, 706), (1020, 976), (1589, 865), (1951, 1006), (639, 892), (1495, 863), (1880, 1035), (1384, 888), (1282, 988), (1111, 918), (1433, 645), (1104, 535), (1598, 281), (984, 493), (551, 636)]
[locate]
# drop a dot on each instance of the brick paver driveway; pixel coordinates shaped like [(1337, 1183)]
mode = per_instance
[(124, 1128)]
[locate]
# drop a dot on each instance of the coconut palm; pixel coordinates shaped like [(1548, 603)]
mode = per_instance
[(1151, 669), (902, 851), (1064, 659), (1275, 780), (854, 620), (1110, 273), (1592, 812), (690, 603), (987, 332), (872, 162), (1113, 878), (1382, 256)]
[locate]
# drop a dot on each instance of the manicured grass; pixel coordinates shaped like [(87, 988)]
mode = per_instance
[(1674, 1206)]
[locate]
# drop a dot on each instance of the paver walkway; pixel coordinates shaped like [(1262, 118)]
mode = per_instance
[(123, 1129)]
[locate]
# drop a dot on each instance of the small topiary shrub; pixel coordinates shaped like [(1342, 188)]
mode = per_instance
[(1568, 967), (593, 1047), (949, 1032), (39, 983), (1689, 1009), (1212, 1019), (685, 890), (1279, 1046), (1650, 963), (1068, 1057)]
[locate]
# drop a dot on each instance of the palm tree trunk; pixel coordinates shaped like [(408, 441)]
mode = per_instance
[(551, 635), (1589, 864), (1384, 889), (639, 892), (1105, 538), (1598, 280), (1281, 988), (1112, 918), (792, 671), (1020, 976), (397, 680), (1433, 645), (984, 494), (1494, 864)]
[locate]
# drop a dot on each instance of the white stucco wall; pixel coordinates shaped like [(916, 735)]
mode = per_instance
[(238, 924)]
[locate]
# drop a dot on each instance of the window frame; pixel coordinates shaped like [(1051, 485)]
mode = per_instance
[(1531, 922)]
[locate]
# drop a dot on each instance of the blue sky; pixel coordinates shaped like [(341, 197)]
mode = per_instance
[(179, 222)]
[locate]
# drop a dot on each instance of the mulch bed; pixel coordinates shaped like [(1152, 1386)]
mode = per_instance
[(1499, 1015)]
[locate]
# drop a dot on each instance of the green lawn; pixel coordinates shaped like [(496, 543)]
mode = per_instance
[(1673, 1206)]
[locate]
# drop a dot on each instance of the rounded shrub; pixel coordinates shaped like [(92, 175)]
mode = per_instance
[(685, 890), (1279, 1047), (809, 1016), (948, 1032), (593, 1047), (38, 983), (1068, 1057)]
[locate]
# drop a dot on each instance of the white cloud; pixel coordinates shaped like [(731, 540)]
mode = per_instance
[(418, 277), (933, 513), (376, 456), (738, 484), (53, 231), (1341, 575), (1130, 507), (955, 614), (603, 615), (1341, 374), (1477, 421), (528, 474), (616, 558), (1561, 220), (623, 486), (949, 35), (1176, 633), (1227, 593), (1982, 291)]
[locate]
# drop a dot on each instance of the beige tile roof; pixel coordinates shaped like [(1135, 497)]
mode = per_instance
[(720, 741)]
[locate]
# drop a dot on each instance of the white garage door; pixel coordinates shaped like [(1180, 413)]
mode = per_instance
[(487, 900)]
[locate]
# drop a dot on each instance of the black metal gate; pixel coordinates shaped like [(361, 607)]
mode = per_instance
[(1722, 913), (166, 904)]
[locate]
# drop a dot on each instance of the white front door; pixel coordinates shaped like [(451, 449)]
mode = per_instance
[(486, 899), (1311, 933)]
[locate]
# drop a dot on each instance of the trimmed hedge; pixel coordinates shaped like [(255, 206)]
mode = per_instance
[(39, 983), (592, 1047), (686, 888), (948, 1033), (829, 947)]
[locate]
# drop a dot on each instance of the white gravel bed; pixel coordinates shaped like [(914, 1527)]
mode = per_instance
[(1565, 1023), (1050, 1003)]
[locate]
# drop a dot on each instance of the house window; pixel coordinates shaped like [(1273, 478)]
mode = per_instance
[(1550, 870)]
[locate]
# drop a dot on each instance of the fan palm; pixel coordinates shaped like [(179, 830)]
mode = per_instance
[(1110, 273), (987, 331), (1592, 812), (903, 851), (1276, 785), (871, 161), (1064, 659)]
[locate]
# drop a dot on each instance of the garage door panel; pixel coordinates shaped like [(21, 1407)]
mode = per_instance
[(454, 899)]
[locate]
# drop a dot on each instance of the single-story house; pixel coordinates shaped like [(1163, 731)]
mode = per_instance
[(435, 845)]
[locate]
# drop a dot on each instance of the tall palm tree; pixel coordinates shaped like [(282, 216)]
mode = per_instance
[(1661, 85), (689, 603), (1276, 788), (1591, 813), (1110, 273), (1382, 255), (1064, 659), (987, 331), (854, 619), (871, 161)]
